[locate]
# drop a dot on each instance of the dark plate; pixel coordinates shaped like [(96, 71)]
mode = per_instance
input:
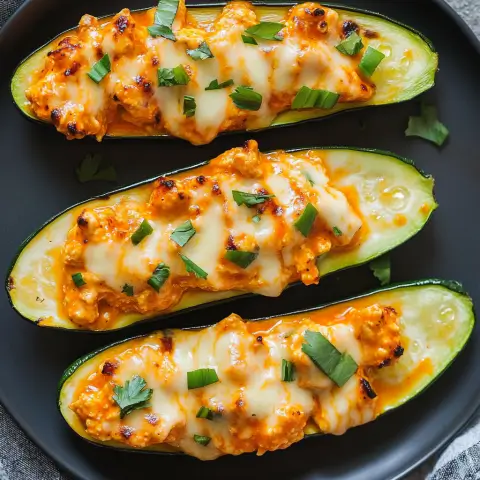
[(38, 180)]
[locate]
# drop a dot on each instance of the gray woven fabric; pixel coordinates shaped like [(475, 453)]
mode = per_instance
[(20, 459)]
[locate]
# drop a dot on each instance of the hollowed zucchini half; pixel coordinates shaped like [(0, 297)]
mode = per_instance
[(32, 273), (436, 320), (401, 78)]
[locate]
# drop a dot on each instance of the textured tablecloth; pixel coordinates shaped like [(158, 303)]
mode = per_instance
[(20, 459)]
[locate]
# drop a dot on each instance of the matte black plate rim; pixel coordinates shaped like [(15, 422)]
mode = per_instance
[(10, 25)]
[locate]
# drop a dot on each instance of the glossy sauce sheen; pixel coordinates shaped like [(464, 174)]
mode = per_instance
[(129, 100), (99, 245), (253, 409)]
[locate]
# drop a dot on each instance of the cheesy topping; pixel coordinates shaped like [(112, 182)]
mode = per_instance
[(116, 271), (130, 99), (253, 410)]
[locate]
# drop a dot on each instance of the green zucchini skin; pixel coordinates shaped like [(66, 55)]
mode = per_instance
[(461, 301), (328, 265), (423, 83), (425, 184)]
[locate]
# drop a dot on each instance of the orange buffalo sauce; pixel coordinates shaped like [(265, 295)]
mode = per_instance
[(253, 406), (131, 99)]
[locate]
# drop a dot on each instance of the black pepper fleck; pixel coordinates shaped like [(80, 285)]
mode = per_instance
[(349, 27), (398, 352), (126, 431), (367, 388), (72, 128), (82, 221), (108, 368), (231, 243), (169, 184), (55, 115), (121, 23), (385, 363)]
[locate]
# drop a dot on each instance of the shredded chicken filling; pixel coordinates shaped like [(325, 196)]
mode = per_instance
[(129, 98), (253, 410), (100, 248)]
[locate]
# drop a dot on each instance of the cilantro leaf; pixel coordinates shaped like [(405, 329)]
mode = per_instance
[(132, 396), (381, 269), (202, 52), (192, 267), (166, 12), (266, 30), (427, 126), (249, 199), (214, 85), (128, 290), (90, 169), (183, 233), (161, 31), (339, 367)]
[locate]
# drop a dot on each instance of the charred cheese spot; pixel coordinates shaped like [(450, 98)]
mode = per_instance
[(99, 243), (129, 98), (254, 411)]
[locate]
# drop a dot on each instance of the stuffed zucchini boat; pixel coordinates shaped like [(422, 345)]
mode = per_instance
[(246, 222), (194, 73), (262, 385)]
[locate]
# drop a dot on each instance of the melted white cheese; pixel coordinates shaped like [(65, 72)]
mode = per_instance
[(207, 246), (120, 262), (249, 386)]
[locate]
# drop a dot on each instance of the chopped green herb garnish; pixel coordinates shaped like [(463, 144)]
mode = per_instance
[(370, 61), (100, 69), (78, 280), (189, 106), (159, 276), (127, 290), (202, 52), (305, 223), (242, 259), (339, 367), (141, 232), (337, 232), (256, 218), (427, 126), (288, 371), (183, 233), (91, 169), (193, 267), (132, 395), (351, 45), (249, 199), (205, 412), (170, 77), (166, 12), (214, 85), (245, 98), (201, 378), (164, 17), (381, 268), (308, 177), (309, 98), (161, 31), (266, 30), (202, 439), (249, 40)]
